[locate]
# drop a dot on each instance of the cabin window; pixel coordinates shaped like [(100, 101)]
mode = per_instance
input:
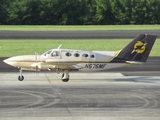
[(92, 56), (85, 55), (76, 55), (55, 53), (68, 54)]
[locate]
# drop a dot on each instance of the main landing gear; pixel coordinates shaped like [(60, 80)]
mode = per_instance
[(65, 76), (20, 77)]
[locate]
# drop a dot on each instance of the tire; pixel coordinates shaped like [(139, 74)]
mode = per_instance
[(20, 78), (65, 80)]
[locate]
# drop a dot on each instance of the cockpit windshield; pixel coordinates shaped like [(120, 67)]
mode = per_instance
[(47, 53)]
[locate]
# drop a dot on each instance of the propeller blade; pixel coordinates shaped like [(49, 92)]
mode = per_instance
[(36, 62)]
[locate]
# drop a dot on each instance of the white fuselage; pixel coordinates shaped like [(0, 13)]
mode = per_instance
[(62, 59)]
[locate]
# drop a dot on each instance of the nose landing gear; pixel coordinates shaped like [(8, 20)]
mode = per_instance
[(20, 77)]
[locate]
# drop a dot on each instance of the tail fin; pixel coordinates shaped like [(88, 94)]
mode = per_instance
[(137, 50)]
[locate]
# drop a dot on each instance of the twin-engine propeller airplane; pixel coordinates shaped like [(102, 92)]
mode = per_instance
[(65, 60)]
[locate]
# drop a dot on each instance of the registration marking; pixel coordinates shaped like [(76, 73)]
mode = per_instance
[(95, 66)]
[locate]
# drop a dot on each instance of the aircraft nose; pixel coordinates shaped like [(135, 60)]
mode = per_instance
[(10, 61), (6, 61)]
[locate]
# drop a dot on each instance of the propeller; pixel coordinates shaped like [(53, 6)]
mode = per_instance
[(36, 61), (37, 65)]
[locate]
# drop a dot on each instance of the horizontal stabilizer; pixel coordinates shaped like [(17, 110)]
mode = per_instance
[(134, 62)]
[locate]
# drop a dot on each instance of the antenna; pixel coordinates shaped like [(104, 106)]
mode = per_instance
[(59, 46)]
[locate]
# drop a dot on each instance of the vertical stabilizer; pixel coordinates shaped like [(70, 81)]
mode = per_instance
[(137, 50)]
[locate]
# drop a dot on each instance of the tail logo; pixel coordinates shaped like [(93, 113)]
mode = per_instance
[(139, 47)]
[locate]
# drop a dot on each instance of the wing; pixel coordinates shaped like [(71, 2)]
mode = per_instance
[(69, 65)]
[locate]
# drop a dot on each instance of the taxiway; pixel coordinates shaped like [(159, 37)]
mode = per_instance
[(74, 35)]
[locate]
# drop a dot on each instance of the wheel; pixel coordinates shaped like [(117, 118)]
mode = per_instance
[(65, 80), (20, 78)]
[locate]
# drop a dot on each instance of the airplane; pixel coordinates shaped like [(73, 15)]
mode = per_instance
[(66, 60)]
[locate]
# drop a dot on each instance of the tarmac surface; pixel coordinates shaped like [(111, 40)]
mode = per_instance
[(97, 96), (101, 34)]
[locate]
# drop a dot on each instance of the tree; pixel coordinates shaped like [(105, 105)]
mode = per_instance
[(104, 13), (79, 12), (3, 10), (17, 12)]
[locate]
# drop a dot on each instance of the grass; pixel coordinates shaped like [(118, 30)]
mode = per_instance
[(77, 27), (10, 48)]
